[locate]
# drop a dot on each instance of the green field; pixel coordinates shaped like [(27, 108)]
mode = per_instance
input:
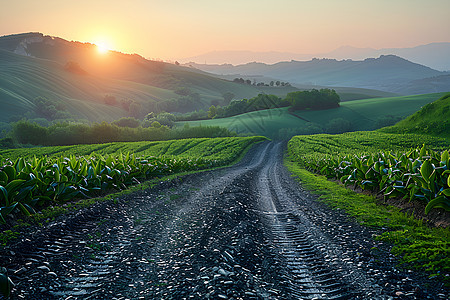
[(32, 179), (363, 114), (204, 147)]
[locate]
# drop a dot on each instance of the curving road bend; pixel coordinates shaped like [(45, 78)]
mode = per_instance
[(244, 232)]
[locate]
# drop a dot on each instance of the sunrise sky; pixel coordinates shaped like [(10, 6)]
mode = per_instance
[(175, 29)]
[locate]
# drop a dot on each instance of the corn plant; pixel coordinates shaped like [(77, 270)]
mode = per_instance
[(27, 184), (418, 174), (6, 284)]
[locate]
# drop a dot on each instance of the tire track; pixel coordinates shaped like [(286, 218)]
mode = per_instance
[(311, 261)]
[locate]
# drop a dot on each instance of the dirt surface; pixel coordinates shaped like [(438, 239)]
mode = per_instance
[(243, 232)]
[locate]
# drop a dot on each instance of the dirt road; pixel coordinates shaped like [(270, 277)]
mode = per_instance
[(244, 232)]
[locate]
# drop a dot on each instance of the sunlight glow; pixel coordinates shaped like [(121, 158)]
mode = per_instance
[(102, 47)]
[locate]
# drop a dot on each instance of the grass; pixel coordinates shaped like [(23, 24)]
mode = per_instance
[(362, 113), (433, 119), (417, 245)]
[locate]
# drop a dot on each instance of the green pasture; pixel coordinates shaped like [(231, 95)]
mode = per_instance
[(363, 114)]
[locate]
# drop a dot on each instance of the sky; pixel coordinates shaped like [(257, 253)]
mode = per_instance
[(176, 29)]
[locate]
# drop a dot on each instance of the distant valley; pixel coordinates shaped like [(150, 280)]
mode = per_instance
[(388, 73)]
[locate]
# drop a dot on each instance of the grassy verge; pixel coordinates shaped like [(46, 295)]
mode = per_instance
[(417, 245), (48, 214)]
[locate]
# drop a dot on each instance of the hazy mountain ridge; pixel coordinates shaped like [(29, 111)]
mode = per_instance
[(433, 55), (387, 73)]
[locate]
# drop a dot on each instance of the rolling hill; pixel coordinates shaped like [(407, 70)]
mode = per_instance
[(33, 65), (387, 73), (433, 119), (366, 114)]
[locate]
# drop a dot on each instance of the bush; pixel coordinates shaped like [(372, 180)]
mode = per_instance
[(309, 128), (30, 133), (314, 99), (127, 122), (7, 143), (65, 133), (339, 125), (388, 120)]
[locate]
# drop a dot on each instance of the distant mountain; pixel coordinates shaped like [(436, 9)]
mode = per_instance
[(77, 77), (387, 73), (243, 57), (434, 55)]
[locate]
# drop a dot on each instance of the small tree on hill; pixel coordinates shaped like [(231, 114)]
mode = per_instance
[(212, 112)]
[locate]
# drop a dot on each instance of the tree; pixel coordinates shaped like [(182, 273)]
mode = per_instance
[(227, 97), (338, 125), (135, 109), (156, 124), (125, 103), (314, 99), (212, 112), (127, 122), (110, 100), (30, 133)]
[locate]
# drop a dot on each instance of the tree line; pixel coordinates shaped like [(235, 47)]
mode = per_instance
[(300, 100), (123, 130)]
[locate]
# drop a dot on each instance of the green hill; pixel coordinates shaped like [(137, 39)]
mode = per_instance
[(33, 65), (367, 114), (432, 119)]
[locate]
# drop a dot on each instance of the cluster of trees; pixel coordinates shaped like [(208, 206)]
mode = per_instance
[(50, 110), (69, 133), (271, 83), (262, 101), (313, 99)]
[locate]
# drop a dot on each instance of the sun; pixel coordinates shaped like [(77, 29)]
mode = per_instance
[(102, 47)]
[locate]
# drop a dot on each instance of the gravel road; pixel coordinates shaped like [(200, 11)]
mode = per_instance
[(244, 232)]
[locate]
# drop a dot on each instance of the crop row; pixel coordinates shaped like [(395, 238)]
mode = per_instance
[(27, 184), (417, 174)]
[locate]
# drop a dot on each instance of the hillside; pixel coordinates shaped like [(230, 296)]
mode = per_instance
[(34, 65), (367, 114), (433, 119), (387, 73)]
